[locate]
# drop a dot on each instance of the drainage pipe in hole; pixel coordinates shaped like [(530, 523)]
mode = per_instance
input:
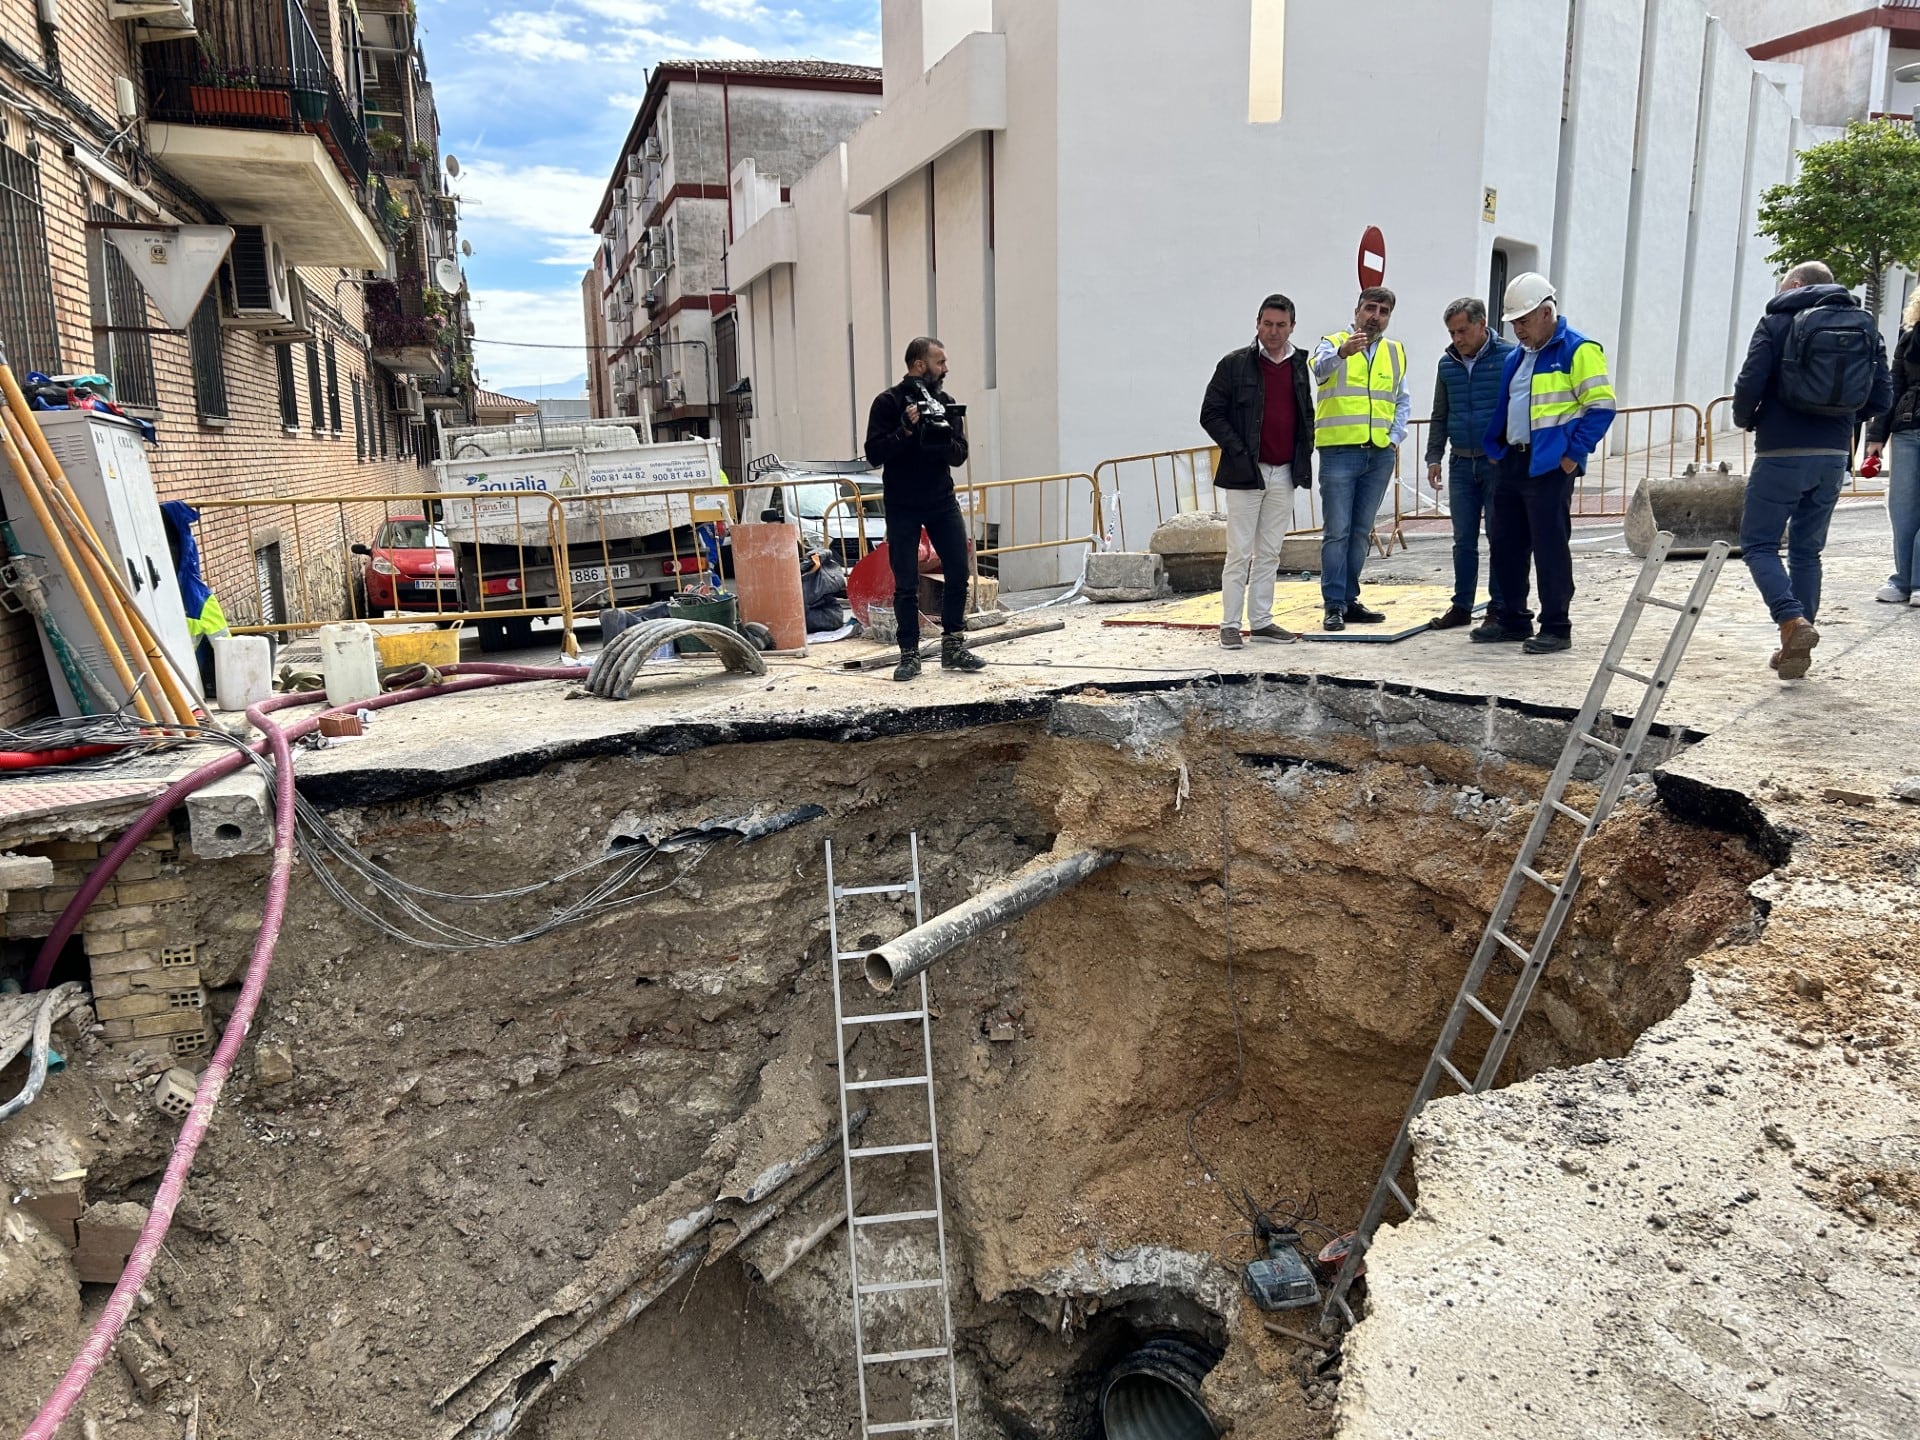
[(906, 957), (1154, 1393)]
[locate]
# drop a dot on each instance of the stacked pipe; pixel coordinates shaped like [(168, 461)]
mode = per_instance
[(148, 678)]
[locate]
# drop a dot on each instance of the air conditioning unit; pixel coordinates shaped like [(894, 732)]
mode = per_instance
[(412, 402), (261, 293), (172, 15), (656, 237), (650, 148), (674, 390), (635, 165), (619, 197), (655, 260)]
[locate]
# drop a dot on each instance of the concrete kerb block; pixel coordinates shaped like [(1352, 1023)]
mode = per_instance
[(232, 816), (1078, 718), (1115, 576), (25, 872)]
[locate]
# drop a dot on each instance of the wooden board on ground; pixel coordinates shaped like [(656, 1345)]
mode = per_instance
[(1297, 606)]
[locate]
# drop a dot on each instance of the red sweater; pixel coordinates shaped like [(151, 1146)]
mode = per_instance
[(1281, 418)]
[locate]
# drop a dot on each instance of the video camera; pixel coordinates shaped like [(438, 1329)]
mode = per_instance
[(937, 420)]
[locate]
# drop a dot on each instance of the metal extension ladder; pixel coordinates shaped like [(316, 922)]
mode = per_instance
[(1534, 956), (930, 1147)]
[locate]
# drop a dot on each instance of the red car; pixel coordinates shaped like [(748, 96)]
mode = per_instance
[(409, 567)]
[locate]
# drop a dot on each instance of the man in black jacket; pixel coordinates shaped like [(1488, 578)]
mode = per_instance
[(917, 434), (1800, 455), (1259, 410)]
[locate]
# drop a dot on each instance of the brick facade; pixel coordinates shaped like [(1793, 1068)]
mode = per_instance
[(368, 449)]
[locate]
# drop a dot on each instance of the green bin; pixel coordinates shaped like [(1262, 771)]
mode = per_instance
[(723, 609)]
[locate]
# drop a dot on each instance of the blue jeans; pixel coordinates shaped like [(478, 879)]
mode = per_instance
[(1469, 478), (1353, 482), (1903, 508), (1790, 495)]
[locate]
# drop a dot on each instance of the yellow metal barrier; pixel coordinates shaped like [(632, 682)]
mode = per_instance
[(285, 564), (1180, 482), (1859, 487)]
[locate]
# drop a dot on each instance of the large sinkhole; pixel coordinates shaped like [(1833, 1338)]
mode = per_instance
[(526, 1191)]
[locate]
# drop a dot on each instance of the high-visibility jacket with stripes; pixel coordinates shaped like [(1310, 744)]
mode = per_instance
[(1357, 401), (1571, 406)]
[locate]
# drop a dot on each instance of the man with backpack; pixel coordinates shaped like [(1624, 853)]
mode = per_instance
[(1815, 371)]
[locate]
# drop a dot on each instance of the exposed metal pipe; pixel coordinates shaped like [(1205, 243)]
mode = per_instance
[(906, 957)]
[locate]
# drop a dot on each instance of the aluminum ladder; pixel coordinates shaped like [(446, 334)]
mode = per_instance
[(844, 1026), (1496, 939)]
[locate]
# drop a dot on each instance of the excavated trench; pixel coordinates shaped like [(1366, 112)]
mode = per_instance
[(453, 1176)]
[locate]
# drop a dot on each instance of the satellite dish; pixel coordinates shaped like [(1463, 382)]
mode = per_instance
[(446, 274), (453, 166), (466, 247), (1907, 74)]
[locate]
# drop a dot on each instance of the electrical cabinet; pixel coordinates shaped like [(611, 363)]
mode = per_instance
[(106, 463)]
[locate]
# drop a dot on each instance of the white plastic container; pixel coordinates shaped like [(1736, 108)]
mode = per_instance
[(349, 663), (242, 670)]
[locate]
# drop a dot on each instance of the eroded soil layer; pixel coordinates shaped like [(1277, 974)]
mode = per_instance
[(446, 1178)]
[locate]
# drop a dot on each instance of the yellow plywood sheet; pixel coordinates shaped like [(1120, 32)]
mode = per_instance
[(1297, 606)]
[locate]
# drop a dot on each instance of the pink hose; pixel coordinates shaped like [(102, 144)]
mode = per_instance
[(106, 1329)]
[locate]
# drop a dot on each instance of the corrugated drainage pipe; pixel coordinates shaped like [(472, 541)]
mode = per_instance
[(1154, 1394), (906, 957)]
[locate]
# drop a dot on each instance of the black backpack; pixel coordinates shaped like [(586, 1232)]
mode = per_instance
[(1828, 365)]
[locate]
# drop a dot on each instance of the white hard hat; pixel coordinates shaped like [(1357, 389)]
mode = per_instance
[(1525, 294)]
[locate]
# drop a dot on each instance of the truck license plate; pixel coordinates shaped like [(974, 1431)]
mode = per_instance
[(587, 574)]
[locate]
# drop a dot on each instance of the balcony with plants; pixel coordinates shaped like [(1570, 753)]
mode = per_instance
[(412, 328), (250, 113)]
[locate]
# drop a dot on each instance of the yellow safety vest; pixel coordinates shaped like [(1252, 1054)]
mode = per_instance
[(1357, 401)]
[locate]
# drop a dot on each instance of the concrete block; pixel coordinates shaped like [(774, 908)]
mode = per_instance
[(128, 960), (232, 816), (1300, 555), (151, 892), (173, 1096), (25, 872), (1125, 575), (1108, 721)]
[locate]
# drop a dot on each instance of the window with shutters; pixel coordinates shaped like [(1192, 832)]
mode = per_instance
[(122, 349), (27, 327), (203, 349), (316, 392), (333, 390), (359, 423), (289, 390)]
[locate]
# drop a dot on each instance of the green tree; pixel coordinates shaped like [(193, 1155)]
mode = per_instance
[(1856, 206)]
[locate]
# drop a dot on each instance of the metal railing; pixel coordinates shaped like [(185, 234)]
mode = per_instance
[(1859, 487), (272, 74), (321, 580), (1669, 437)]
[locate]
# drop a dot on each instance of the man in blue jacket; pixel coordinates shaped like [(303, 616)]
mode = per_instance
[(1815, 345), (1557, 404), (1464, 400)]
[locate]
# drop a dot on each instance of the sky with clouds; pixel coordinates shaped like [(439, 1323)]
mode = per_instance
[(535, 99)]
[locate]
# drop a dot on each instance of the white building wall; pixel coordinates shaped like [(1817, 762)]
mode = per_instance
[(909, 262), (1171, 195), (833, 420), (1646, 349), (1596, 165), (1770, 133), (1713, 246), (1522, 153), (1028, 161), (960, 254)]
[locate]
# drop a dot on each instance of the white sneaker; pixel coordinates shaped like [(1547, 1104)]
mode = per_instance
[(1891, 594)]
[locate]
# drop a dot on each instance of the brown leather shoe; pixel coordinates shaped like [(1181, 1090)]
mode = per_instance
[(1454, 618), (1795, 655)]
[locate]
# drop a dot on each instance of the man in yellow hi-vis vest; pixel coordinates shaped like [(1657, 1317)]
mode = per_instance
[(1358, 424)]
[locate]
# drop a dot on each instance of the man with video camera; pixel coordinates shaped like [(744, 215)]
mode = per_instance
[(916, 433)]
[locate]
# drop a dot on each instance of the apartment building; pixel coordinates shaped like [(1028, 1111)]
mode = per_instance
[(1087, 204), (303, 370), (657, 295)]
